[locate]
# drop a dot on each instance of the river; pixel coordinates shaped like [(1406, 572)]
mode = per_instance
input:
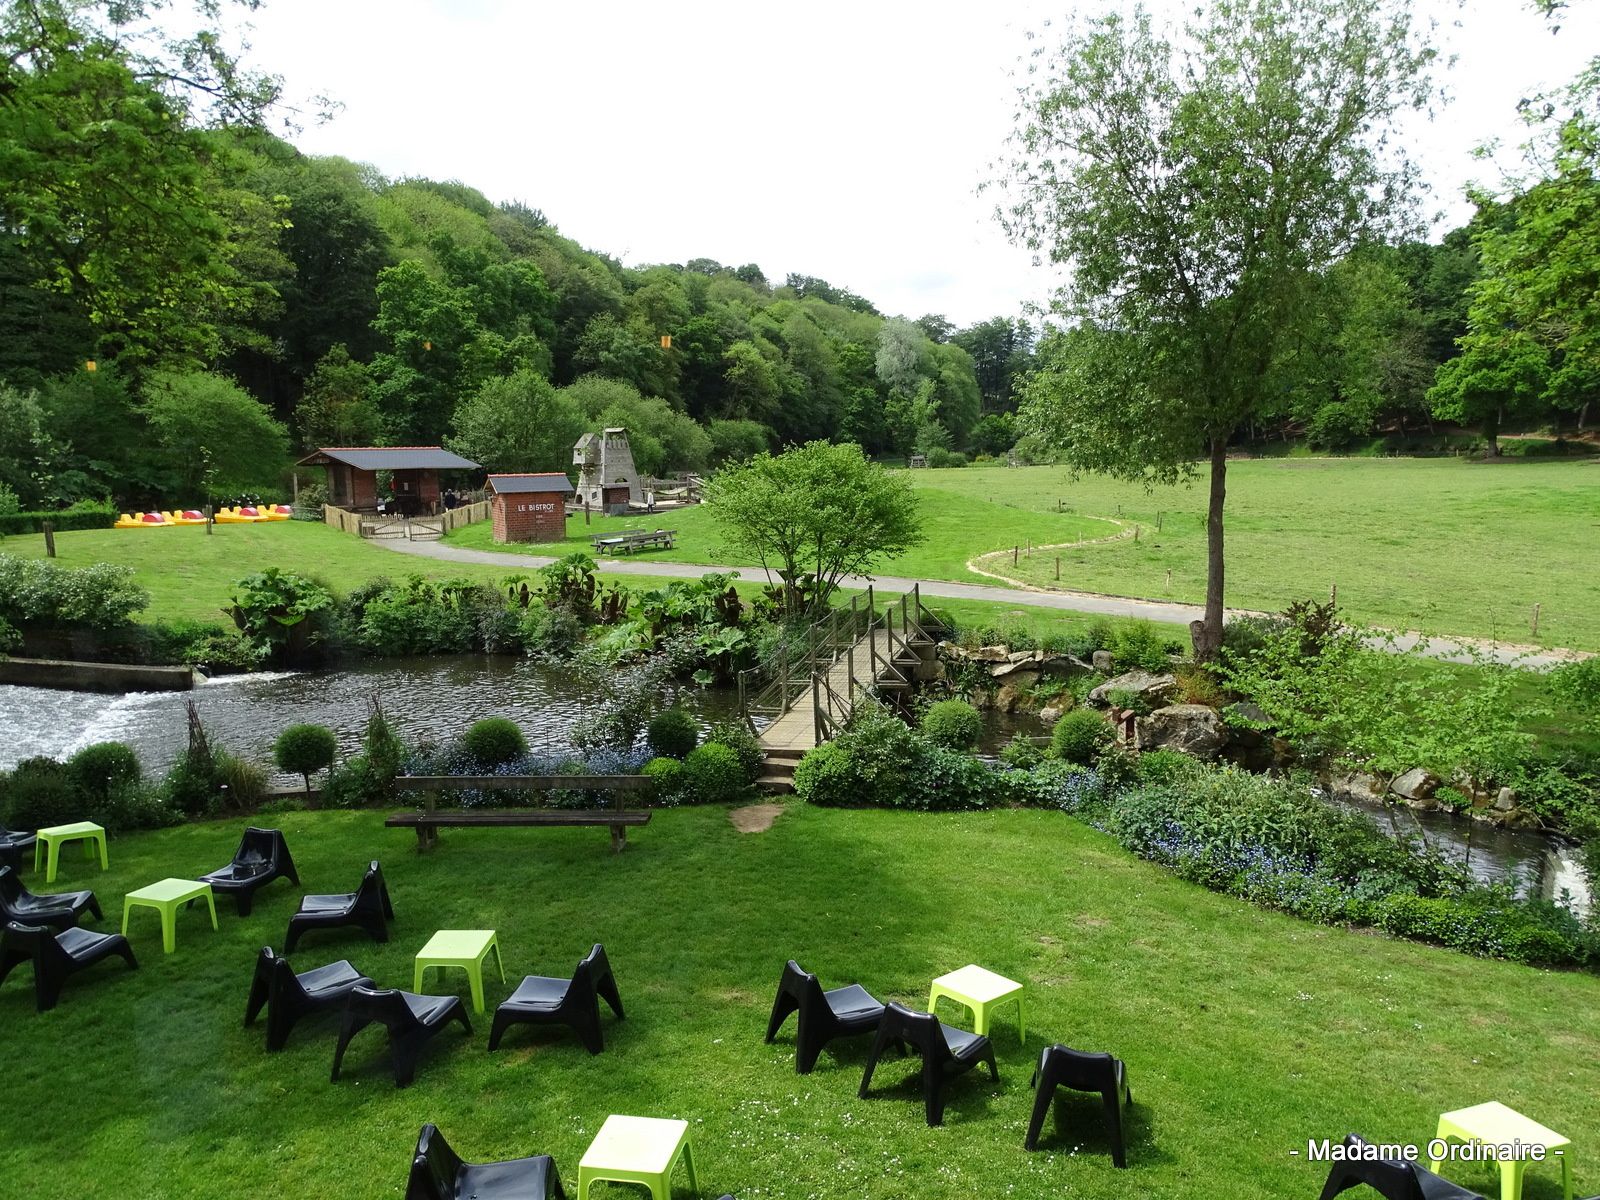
[(435, 699)]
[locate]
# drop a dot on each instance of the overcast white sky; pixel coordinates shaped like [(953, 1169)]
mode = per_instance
[(843, 140)]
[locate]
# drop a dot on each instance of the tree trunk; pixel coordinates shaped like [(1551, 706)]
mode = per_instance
[(1206, 633), (1583, 416), (1491, 433)]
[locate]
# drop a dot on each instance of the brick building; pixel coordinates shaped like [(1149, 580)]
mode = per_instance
[(529, 508), (413, 475)]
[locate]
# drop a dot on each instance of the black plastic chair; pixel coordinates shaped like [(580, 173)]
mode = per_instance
[(365, 908), (57, 955), (410, 1019), (839, 1012), (946, 1052), (437, 1173), (575, 1002), (58, 910), (262, 856), (1394, 1178), (13, 845), (287, 997), (1060, 1066)]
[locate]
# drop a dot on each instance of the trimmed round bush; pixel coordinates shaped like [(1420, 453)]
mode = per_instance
[(672, 734), (38, 794), (494, 741), (737, 737), (97, 771), (671, 776), (954, 724), (304, 750), (1079, 736), (715, 775)]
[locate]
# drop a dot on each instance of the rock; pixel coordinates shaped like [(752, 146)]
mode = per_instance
[(1023, 656), (1007, 699), (1356, 787), (1062, 666), (1156, 690), (1050, 714), (1188, 728), (989, 654), (1016, 672), (1247, 717), (1415, 784), (1101, 662), (1505, 800)]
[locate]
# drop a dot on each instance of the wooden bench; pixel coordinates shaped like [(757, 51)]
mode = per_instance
[(430, 818), (629, 540)]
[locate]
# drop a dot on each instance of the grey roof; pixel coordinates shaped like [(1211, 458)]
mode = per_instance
[(511, 485), (389, 458)]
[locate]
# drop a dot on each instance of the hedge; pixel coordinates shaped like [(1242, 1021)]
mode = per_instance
[(81, 516)]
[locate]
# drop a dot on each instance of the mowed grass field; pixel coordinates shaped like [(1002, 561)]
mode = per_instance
[(1440, 545), (1246, 1033)]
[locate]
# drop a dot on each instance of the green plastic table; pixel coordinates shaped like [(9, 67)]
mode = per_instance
[(981, 991), (637, 1150), (464, 948), (165, 897), (86, 832), (1497, 1125)]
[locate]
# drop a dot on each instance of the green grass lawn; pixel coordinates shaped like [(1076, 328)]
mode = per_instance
[(1441, 545), (959, 528), (1245, 1032)]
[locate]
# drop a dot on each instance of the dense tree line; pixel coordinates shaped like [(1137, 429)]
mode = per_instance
[(239, 298)]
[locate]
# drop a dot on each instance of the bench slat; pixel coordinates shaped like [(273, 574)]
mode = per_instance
[(516, 817)]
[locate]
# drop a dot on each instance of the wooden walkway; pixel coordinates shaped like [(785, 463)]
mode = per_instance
[(850, 656)]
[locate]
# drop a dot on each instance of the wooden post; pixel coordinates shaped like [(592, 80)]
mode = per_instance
[(49, 530), (294, 487), (586, 510), (1058, 568), (1169, 579), (1535, 621), (1158, 521), (1014, 550), (1333, 594), (1030, 547), (1136, 533), (209, 521)]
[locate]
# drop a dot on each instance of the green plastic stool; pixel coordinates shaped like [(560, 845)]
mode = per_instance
[(165, 897), (638, 1150), (464, 948), (1497, 1125), (980, 990), (86, 832)]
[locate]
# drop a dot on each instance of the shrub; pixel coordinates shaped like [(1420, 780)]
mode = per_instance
[(1079, 736), (241, 784), (1100, 635), (1197, 685), (309, 500), (39, 793), (1129, 700), (737, 737), (672, 734), (672, 779), (426, 616), (938, 456), (874, 763), (1245, 637), (552, 633), (201, 644), (493, 742), (1139, 645), (954, 724), (1159, 767), (1022, 753), (38, 591), (86, 514), (714, 774), (286, 617), (194, 783), (135, 805), (304, 750), (367, 779), (98, 770)]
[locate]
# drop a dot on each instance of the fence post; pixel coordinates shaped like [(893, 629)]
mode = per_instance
[(48, 528), (816, 709), (1333, 594), (1014, 550), (1058, 568), (1535, 619), (209, 521)]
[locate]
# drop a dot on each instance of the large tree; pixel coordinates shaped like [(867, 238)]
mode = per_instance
[(817, 510), (1197, 183)]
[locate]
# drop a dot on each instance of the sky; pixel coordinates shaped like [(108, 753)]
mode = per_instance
[(841, 140)]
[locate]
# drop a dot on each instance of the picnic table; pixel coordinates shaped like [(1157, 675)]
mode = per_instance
[(628, 540)]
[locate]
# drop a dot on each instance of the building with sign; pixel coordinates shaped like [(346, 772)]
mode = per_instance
[(413, 476), (529, 508)]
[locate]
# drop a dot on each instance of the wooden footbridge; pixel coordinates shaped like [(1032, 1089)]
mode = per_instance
[(852, 656)]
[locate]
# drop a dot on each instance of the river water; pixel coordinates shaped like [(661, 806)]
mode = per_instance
[(435, 699)]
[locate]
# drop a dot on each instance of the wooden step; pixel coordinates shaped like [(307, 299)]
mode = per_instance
[(776, 785)]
